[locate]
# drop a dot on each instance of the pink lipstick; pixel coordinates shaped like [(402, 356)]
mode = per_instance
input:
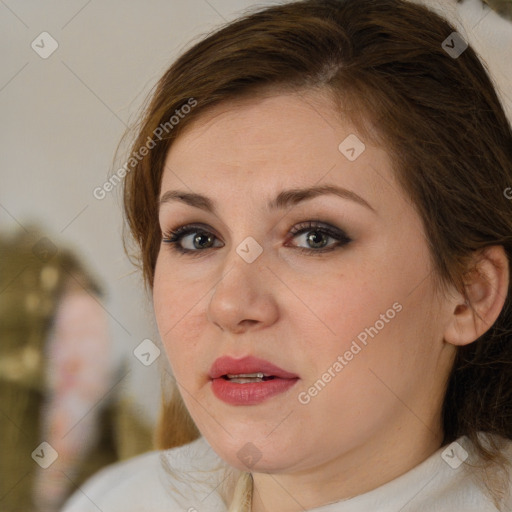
[(248, 381)]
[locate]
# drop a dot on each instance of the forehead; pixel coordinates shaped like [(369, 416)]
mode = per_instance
[(273, 141), (258, 123)]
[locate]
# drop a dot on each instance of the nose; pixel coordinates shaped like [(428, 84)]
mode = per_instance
[(243, 299)]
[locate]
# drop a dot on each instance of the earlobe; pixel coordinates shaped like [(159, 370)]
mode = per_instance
[(486, 288)]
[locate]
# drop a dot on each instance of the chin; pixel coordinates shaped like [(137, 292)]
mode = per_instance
[(245, 455), (266, 464)]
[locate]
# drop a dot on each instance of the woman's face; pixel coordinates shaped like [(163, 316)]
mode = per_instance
[(336, 289)]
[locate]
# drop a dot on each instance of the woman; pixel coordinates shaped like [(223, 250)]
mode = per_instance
[(319, 195)]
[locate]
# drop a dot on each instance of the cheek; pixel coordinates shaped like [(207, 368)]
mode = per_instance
[(176, 311), (164, 297), (371, 319), (174, 297), (345, 304), (383, 290)]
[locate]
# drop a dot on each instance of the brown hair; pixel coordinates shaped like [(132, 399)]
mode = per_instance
[(437, 115)]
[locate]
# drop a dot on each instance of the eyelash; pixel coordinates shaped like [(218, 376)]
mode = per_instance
[(175, 236)]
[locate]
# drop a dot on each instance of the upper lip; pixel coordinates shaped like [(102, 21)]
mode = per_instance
[(228, 365)]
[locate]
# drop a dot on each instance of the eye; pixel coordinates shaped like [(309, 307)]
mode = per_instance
[(195, 238), (182, 241), (316, 234)]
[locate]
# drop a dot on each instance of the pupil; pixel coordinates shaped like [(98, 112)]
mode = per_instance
[(197, 239), (317, 239)]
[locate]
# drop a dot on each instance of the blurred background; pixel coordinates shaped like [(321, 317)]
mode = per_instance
[(80, 359)]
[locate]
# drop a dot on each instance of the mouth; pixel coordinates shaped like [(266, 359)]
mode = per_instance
[(249, 367), (248, 381)]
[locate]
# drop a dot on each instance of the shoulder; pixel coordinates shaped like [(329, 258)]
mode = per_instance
[(465, 482), (448, 480), (119, 486), (167, 480)]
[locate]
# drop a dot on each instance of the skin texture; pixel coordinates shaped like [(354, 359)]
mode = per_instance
[(380, 415)]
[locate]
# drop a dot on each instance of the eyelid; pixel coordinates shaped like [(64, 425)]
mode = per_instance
[(320, 225), (186, 228), (176, 235)]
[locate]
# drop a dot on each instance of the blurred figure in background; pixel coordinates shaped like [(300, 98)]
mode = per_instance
[(61, 416)]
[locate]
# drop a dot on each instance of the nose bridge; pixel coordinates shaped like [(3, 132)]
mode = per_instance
[(246, 253), (241, 296), (242, 266)]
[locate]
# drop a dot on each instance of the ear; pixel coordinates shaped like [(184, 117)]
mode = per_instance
[(485, 292)]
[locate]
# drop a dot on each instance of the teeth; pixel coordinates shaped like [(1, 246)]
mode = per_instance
[(259, 375), (243, 378), (246, 381)]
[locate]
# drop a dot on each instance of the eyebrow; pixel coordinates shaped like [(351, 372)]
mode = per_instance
[(284, 199)]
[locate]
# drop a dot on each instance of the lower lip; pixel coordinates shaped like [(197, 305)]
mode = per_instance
[(250, 393)]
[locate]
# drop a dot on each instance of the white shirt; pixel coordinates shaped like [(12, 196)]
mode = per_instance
[(441, 483)]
